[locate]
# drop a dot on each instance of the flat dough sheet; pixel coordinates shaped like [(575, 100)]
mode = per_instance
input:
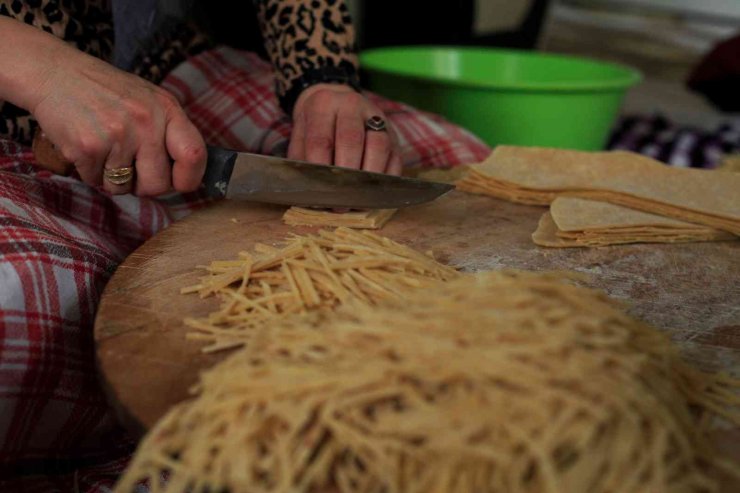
[(574, 222), (576, 214), (373, 219), (444, 175), (539, 175)]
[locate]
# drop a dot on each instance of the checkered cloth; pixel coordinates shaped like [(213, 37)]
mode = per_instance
[(676, 145), (60, 241)]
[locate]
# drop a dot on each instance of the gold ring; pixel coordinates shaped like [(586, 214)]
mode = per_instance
[(119, 176)]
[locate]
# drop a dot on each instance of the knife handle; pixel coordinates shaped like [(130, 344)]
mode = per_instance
[(219, 166), (48, 156)]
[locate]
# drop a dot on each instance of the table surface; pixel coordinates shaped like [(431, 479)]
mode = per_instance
[(147, 365)]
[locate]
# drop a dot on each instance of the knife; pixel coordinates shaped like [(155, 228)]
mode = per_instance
[(275, 180)]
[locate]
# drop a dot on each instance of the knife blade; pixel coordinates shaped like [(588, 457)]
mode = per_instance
[(275, 180)]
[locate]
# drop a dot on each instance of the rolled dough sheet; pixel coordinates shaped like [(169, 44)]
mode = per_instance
[(373, 219), (730, 163), (576, 214), (538, 175), (444, 175), (549, 235)]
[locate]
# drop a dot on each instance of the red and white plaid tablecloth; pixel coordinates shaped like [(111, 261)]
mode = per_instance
[(60, 241)]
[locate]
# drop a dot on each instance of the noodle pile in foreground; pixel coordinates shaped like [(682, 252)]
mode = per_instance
[(499, 382), (312, 272)]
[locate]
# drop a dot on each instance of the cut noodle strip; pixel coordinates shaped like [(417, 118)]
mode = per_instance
[(313, 272)]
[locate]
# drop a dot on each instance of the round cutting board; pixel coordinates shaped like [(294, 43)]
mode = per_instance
[(147, 365)]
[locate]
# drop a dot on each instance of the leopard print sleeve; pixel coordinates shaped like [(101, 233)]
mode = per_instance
[(309, 42)]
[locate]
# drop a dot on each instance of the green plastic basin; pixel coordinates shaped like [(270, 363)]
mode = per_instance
[(506, 96)]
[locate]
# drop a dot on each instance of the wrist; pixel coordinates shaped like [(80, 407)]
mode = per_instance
[(44, 82), (318, 87), (322, 75)]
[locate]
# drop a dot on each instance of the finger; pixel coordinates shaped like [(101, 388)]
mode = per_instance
[(117, 159), (319, 132), (89, 154), (377, 151), (350, 139), (188, 151), (154, 168), (296, 148), (395, 163), (90, 171), (395, 166), (393, 134)]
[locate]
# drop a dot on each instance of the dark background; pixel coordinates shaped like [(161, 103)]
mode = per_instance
[(385, 23), (406, 22)]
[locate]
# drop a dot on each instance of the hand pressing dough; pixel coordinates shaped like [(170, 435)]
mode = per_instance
[(539, 175), (372, 219)]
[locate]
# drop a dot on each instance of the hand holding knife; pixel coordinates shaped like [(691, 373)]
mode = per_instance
[(275, 180)]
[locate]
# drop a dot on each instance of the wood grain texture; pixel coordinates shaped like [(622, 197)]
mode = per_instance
[(691, 290)]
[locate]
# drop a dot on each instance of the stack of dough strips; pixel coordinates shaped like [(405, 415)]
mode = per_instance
[(313, 272), (501, 382)]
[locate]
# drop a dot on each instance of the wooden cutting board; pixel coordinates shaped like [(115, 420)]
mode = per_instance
[(147, 365)]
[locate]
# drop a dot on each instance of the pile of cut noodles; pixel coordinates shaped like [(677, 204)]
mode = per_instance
[(499, 382), (317, 272)]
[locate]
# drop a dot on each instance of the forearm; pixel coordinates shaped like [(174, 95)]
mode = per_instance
[(27, 56)]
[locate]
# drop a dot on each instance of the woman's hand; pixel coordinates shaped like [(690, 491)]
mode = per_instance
[(100, 118), (329, 128)]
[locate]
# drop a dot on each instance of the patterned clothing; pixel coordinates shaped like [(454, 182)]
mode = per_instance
[(60, 241), (308, 41)]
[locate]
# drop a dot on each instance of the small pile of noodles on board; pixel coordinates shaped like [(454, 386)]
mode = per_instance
[(312, 272), (370, 219), (498, 382)]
